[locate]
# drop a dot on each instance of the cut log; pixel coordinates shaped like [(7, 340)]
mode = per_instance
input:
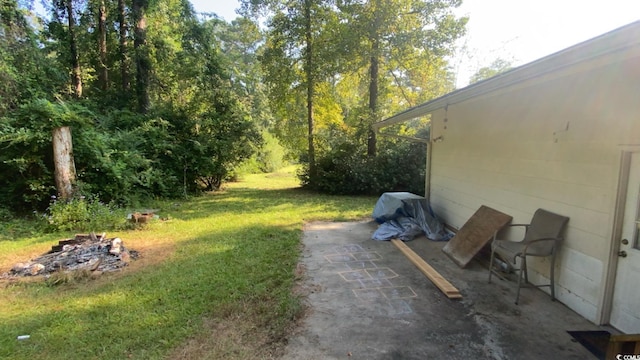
[(440, 282)]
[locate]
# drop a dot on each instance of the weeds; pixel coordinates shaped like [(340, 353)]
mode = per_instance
[(84, 214)]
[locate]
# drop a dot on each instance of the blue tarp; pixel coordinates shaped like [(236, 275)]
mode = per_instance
[(405, 216)]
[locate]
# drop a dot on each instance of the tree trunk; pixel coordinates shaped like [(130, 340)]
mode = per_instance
[(373, 80), (124, 63), (141, 55), (64, 166), (75, 62), (310, 86), (102, 35), (373, 98)]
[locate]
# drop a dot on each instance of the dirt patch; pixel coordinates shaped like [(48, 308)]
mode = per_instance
[(239, 336), (234, 337)]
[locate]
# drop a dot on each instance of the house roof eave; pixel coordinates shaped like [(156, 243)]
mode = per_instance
[(614, 41)]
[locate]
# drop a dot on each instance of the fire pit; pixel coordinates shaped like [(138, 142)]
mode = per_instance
[(83, 252)]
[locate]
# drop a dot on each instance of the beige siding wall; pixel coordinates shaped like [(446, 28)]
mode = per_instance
[(553, 142)]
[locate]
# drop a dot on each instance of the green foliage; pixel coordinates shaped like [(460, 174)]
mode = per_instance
[(213, 88), (84, 214), (343, 65), (122, 156), (240, 51), (497, 66), (196, 131), (347, 170), (25, 71), (269, 158), (271, 155)]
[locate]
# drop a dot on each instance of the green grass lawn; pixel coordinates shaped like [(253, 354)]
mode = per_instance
[(215, 281)]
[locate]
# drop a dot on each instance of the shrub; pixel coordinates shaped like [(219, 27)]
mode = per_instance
[(5, 214), (82, 214), (348, 171), (269, 158)]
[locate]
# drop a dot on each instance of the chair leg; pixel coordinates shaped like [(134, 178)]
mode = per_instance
[(523, 269), (551, 273), (492, 256), (491, 263)]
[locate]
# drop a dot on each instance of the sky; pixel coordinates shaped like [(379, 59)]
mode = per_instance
[(519, 31)]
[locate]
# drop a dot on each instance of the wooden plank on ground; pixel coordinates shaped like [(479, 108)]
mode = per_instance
[(445, 286), (475, 234)]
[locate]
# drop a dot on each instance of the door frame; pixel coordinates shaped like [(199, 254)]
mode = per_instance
[(604, 315)]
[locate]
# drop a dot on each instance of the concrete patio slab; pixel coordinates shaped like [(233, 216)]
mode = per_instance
[(367, 301)]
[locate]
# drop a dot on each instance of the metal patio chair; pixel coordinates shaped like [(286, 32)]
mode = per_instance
[(542, 238)]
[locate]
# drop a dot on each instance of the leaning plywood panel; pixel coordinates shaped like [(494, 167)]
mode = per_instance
[(475, 234)]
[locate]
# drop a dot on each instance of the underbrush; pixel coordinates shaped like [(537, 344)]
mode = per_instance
[(84, 214)]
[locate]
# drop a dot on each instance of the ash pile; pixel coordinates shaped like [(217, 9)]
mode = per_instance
[(83, 252)]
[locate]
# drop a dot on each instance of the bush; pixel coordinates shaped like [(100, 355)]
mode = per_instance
[(346, 170), (269, 158), (82, 214), (124, 157), (5, 214)]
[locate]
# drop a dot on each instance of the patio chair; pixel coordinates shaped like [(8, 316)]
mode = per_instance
[(542, 238)]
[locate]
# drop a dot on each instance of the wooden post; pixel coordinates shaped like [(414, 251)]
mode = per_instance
[(65, 168)]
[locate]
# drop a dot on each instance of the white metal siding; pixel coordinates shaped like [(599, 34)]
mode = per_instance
[(552, 144)]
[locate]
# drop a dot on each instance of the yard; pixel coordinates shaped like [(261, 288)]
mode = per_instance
[(213, 281)]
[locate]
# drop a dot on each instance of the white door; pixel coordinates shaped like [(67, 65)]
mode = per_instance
[(625, 311)]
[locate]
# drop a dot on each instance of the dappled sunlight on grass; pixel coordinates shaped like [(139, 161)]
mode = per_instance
[(282, 179), (222, 262)]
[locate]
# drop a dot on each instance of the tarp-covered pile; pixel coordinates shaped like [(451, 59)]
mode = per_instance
[(404, 216)]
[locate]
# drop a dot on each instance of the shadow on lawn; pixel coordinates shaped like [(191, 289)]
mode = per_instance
[(144, 312), (249, 200)]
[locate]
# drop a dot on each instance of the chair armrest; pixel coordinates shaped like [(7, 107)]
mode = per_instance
[(541, 239), (495, 234), (525, 225)]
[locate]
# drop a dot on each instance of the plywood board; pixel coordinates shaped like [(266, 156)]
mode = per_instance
[(475, 234), (440, 282)]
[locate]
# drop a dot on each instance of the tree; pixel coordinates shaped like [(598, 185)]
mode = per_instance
[(62, 142), (22, 72), (102, 44), (180, 129), (497, 66), (141, 53), (123, 46), (394, 39), (240, 48), (294, 60), (64, 9), (212, 130)]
